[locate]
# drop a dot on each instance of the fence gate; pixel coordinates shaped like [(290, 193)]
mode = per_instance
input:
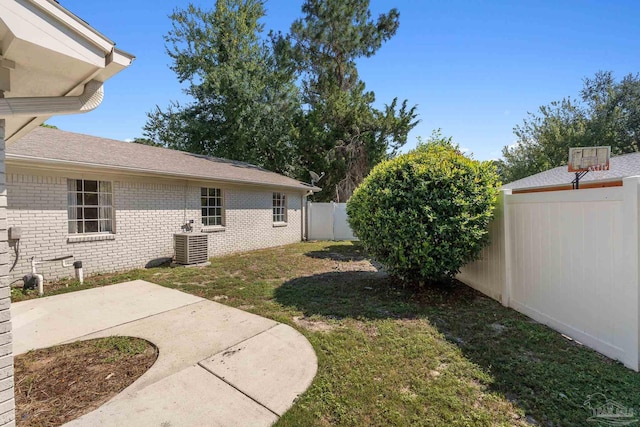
[(328, 221)]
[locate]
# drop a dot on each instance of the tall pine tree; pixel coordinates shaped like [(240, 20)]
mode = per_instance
[(290, 103), (342, 133)]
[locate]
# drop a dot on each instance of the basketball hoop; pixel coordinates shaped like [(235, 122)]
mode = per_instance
[(583, 160)]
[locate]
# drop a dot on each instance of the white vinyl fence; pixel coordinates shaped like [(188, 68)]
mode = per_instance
[(328, 221), (569, 259)]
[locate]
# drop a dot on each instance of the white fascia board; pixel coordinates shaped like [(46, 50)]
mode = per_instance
[(75, 23), (39, 23)]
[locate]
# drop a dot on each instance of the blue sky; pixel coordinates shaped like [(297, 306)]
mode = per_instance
[(474, 68)]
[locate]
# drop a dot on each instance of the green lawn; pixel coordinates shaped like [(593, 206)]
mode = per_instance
[(389, 356)]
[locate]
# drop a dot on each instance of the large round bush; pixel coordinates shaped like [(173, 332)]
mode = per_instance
[(425, 214)]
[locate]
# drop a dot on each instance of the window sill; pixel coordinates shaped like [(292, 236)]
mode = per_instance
[(280, 224), (89, 237), (212, 228)]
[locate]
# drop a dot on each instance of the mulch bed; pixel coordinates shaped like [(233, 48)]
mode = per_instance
[(58, 384)]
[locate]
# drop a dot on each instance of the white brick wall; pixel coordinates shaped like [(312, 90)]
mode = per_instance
[(7, 403), (147, 214)]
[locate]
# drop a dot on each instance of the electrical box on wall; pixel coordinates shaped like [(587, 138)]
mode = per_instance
[(15, 233)]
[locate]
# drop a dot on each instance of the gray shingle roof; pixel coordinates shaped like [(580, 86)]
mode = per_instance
[(74, 148), (619, 167)]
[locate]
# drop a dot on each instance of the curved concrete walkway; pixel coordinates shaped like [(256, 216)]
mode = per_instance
[(217, 365)]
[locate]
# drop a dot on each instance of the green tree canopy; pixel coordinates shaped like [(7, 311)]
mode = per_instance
[(288, 102), (606, 113), (244, 102)]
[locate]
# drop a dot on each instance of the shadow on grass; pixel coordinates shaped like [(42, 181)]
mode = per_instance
[(547, 375), (354, 252), (362, 295)]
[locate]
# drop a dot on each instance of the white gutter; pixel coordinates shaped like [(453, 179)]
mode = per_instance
[(54, 105)]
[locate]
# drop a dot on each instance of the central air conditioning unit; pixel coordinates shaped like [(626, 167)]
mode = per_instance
[(191, 248)]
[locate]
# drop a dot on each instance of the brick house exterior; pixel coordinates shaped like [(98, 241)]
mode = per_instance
[(147, 211)]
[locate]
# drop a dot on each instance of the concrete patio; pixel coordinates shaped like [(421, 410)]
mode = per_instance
[(217, 365)]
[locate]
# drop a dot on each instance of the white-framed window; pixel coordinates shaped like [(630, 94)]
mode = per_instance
[(90, 206), (211, 202), (279, 207)]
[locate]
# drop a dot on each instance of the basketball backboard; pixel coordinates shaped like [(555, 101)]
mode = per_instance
[(584, 159)]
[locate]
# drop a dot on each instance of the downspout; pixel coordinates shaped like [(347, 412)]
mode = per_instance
[(303, 219), (184, 211), (305, 215), (90, 98)]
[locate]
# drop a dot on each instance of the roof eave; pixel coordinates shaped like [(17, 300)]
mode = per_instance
[(34, 27), (22, 160), (74, 22)]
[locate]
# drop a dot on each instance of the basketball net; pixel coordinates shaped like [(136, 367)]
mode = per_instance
[(597, 171)]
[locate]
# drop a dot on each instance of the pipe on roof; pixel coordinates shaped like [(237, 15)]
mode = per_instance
[(90, 98)]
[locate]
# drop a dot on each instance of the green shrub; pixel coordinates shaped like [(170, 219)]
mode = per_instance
[(425, 214)]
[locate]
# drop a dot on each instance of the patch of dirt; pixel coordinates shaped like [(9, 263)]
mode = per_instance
[(336, 256), (313, 325), (364, 265), (58, 384), (370, 330), (406, 391), (435, 373)]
